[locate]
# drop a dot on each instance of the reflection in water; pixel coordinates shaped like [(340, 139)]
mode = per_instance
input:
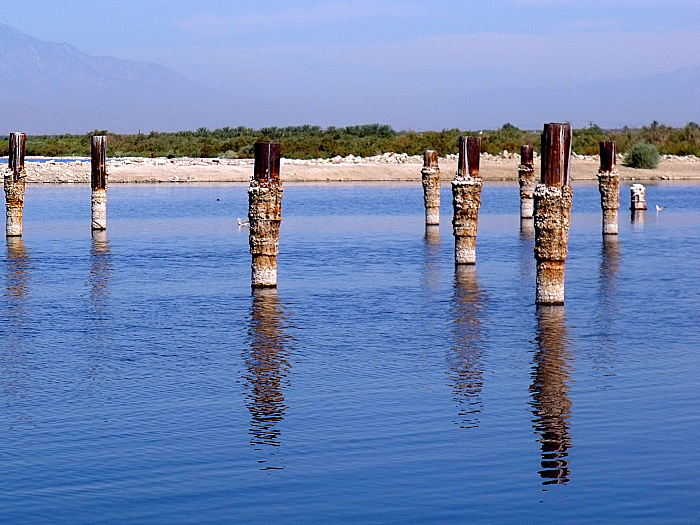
[(99, 269), (527, 229), (609, 263), (267, 365), (639, 217), (527, 243), (432, 255), (550, 394), (17, 272), (466, 370)]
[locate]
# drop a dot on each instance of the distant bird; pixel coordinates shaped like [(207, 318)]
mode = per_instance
[(241, 223), (659, 208)]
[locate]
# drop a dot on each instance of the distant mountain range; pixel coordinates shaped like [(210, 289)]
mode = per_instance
[(48, 88)]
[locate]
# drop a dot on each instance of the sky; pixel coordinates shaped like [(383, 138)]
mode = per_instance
[(358, 61)]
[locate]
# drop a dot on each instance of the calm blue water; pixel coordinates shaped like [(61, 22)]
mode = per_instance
[(142, 382)]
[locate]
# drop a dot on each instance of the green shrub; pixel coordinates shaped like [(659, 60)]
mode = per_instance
[(642, 155)]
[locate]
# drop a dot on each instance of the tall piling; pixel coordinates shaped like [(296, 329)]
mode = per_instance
[(527, 181), (552, 213), (15, 182), (609, 187), (98, 182), (466, 200), (430, 175), (638, 197), (265, 214)]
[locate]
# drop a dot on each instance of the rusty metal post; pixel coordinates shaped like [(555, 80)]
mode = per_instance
[(609, 187), (98, 152), (466, 200), (638, 197), (553, 214), (430, 175), (265, 214), (527, 181), (15, 182)]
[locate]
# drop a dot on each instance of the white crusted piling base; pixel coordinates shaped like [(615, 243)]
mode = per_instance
[(14, 203), (432, 216), (527, 182), (431, 194), (465, 250), (609, 187), (13, 222), (527, 206), (99, 209), (610, 222), (638, 197), (265, 215), (264, 272), (466, 201), (550, 282)]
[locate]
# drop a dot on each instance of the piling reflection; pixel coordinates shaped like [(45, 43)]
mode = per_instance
[(432, 255), (100, 268), (639, 217), (466, 371), (609, 263), (17, 271), (527, 230), (267, 369), (550, 394)]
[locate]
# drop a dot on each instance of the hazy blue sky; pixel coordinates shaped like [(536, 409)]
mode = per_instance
[(344, 62)]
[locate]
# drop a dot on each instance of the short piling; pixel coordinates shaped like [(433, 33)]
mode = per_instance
[(527, 181), (430, 174), (638, 197), (552, 214), (265, 214), (609, 187), (466, 200), (15, 182), (98, 181)]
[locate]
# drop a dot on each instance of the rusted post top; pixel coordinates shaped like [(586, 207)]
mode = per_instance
[(98, 152), (469, 155), (526, 155), (430, 159), (556, 153), (267, 163), (15, 159), (607, 156)]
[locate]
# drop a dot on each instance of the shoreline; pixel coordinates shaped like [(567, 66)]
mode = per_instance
[(384, 168)]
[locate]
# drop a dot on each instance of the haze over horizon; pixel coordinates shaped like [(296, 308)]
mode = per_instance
[(410, 64)]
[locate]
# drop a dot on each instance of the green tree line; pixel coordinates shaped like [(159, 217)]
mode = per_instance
[(306, 142)]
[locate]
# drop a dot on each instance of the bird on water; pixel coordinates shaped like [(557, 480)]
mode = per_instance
[(241, 223)]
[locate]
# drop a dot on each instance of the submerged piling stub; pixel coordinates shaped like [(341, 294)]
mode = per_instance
[(98, 182), (527, 181), (466, 200), (15, 182), (638, 197), (609, 187), (552, 213), (430, 174), (265, 214)]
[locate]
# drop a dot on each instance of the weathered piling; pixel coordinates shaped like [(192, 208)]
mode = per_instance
[(609, 187), (466, 200), (638, 197), (527, 181), (15, 181), (98, 181), (430, 174), (265, 214), (553, 214)]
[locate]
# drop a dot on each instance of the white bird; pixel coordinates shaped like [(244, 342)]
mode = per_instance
[(242, 223), (659, 208)]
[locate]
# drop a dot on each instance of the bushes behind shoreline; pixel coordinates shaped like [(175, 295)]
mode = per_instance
[(307, 142)]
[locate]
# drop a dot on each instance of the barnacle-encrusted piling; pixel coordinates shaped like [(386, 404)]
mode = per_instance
[(527, 181), (265, 214), (466, 200), (553, 214), (430, 175), (98, 181), (609, 187), (15, 181), (638, 197)]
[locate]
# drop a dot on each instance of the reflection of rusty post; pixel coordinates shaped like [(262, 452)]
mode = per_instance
[(431, 187), (609, 187), (15, 181), (265, 213), (466, 200), (98, 150), (553, 214), (527, 181), (638, 197), (100, 271), (550, 393)]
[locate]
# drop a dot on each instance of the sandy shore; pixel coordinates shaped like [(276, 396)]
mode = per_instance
[(388, 167)]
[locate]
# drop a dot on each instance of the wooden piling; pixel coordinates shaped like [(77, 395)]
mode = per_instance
[(265, 214), (430, 175), (609, 187), (527, 181), (98, 153), (552, 214), (466, 200), (638, 197), (15, 182)]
